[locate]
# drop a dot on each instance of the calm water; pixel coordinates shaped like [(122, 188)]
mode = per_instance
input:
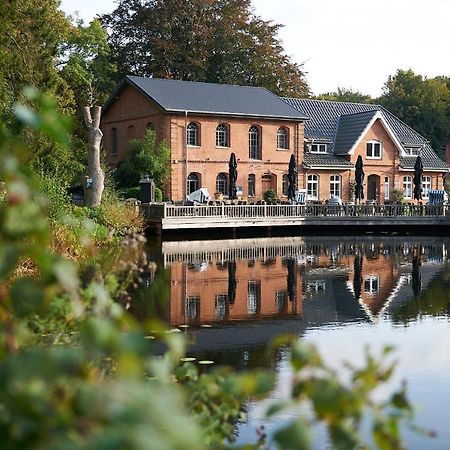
[(339, 293)]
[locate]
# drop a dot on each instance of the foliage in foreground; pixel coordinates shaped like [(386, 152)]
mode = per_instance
[(77, 372)]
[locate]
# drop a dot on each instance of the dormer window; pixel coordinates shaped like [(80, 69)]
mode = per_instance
[(373, 150), (412, 151), (318, 148)]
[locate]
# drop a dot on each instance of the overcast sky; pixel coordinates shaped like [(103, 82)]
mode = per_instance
[(353, 44)]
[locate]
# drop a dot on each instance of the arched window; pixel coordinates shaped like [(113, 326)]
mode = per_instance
[(254, 143), (335, 186), (407, 186), (222, 135), (282, 138), (114, 149), (131, 133), (285, 185), (192, 134), (222, 183), (251, 185), (193, 182), (312, 187)]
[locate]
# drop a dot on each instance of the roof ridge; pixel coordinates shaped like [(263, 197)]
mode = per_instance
[(196, 82), (331, 101), (406, 125), (360, 112)]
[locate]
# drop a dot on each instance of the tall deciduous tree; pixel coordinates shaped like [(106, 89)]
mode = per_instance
[(346, 95), (219, 41), (96, 182), (31, 32), (86, 64), (423, 103)]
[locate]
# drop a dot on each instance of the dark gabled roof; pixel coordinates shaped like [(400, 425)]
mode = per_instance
[(313, 160), (324, 115), (430, 163), (350, 128), (332, 121), (208, 98)]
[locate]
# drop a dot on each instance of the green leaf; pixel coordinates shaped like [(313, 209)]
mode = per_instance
[(27, 297), (296, 436)]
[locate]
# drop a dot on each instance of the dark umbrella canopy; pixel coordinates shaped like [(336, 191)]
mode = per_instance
[(359, 179), (232, 171), (415, 273), (292, 178), (418, 170), (357, 273), (232, 283), (291, 281)]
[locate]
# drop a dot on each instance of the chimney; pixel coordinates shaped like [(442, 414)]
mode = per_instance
[(447, 153)]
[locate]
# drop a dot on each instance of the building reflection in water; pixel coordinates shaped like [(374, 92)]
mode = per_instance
[(318, 280)]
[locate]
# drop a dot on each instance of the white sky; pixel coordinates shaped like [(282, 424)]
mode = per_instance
[(353, 44)]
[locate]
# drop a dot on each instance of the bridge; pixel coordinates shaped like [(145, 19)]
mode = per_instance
[(164, 217)]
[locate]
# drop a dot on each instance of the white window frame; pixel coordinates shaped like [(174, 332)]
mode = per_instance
[(284, 184), (335, 186), (387, 188), (412, 151), (222, 183), (371, 145), (426, 185), (282, 138), (318, 148), (407, 186), (312, 185), (254, 142), (193, 134), (223, 135), (371, 284), (251, 183), (193, 182)]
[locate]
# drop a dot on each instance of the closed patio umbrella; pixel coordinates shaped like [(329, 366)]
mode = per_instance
[(359, 178), (415, 273), (418, 170), (291, 280), (357, 273), (232, 170), (232, 283), (292, 178)]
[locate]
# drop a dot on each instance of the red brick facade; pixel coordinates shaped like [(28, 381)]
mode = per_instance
[(131, 113)]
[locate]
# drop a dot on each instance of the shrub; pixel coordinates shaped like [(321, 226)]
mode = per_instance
[(132, 192), (270, 196), (144, 157), (397, 196)]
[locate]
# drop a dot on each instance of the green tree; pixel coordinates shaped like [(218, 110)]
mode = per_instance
[(31, 32), (220, 41), (86, 64), (423, 103), (146, 156), (346, 95)]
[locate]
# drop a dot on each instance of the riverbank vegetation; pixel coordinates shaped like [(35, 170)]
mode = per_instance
[(78, 371)]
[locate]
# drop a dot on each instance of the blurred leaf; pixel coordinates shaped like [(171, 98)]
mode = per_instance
[(295, 436), (27, 297)]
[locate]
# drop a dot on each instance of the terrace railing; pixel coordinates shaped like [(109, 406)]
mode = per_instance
[(290, 211)]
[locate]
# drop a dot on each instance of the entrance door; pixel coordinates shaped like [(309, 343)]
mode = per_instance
[(373, 187), (269, 181)]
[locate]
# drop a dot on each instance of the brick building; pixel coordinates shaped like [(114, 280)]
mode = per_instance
[(203, 123)]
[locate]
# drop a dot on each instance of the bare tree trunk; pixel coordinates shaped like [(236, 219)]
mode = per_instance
[(95, 173)]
